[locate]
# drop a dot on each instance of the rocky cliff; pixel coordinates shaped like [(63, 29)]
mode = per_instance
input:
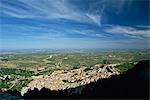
[(61, 80), (133, 84)]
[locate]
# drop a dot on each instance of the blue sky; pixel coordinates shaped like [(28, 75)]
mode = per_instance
[(104, 24)]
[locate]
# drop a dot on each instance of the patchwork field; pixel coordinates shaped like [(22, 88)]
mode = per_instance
[(18, 70)]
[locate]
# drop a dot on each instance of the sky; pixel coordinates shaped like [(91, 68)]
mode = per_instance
[(74, 24)]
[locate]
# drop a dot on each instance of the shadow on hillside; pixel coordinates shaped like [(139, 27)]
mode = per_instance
[(133, 84)]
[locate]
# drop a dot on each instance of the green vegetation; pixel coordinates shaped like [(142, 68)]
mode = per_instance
[(25, 64), (9, 71), (21, 83), (71, 62), (4, 84), (4, 59), (20, 67), (125, 67), (46, 72), (12, 74)]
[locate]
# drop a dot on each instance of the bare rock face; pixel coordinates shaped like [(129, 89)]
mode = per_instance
[(60, 80)]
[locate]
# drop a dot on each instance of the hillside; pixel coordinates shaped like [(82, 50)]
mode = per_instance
[(132, 84)]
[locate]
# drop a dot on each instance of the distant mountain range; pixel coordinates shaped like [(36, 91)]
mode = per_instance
[(26, 51)]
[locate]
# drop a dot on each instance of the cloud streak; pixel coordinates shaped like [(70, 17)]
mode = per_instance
[(127, 30), (48, 9), (97, 23)]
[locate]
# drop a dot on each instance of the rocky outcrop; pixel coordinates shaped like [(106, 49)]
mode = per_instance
[(60, 80), (134, 84)]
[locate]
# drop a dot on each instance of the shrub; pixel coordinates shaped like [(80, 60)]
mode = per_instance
[(9, 71), (4, 84), (125, 67), (21, 84)]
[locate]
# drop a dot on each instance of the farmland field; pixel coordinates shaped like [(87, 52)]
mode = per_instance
[(16, 70)]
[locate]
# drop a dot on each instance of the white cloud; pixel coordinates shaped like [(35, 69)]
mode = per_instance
[(49, 9), (126, 30), (99, 35), (88, 32), (96, 18)]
